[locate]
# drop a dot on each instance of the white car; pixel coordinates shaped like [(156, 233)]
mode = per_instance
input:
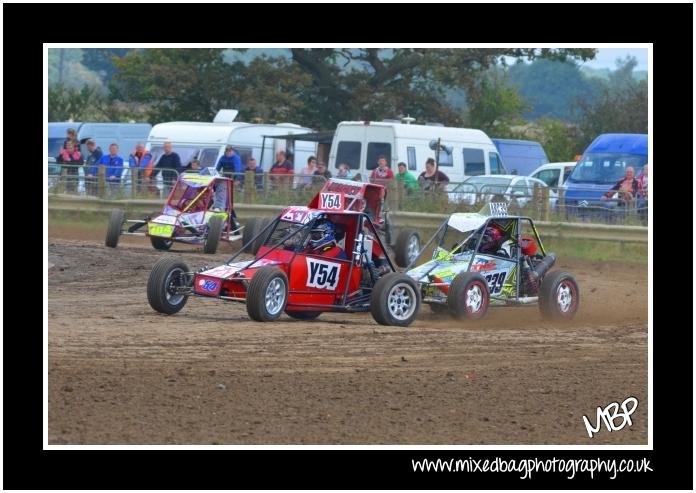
[(554, 175), (512, 189)]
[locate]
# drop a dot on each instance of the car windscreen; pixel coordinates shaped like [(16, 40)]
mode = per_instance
[(486, 184), (605, 168)]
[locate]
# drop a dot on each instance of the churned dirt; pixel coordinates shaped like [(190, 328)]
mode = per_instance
[(119, 373)]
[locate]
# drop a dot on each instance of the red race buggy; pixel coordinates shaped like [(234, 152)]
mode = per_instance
[(287, 276), (360, 197)]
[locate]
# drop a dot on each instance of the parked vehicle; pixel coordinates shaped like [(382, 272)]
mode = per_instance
[(521, 157), (463, 152), (126, 135), (554, 174), (511, 189), (206, 141), (603, 163)]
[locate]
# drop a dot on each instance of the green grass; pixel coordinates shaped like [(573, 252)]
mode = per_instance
[(602, 251)]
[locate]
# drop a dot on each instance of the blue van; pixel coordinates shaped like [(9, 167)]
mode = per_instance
[(126, 135), (602, 165), (521, 157)]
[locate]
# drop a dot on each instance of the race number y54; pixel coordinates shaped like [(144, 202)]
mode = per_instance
[(323, 274), (331, 201)]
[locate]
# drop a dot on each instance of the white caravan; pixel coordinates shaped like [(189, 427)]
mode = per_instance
[(463, 152), (206, 141)]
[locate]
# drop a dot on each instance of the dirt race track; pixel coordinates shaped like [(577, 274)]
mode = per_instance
[(119, 373)]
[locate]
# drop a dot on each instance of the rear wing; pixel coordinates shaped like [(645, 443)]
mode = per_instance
[(340, 195)]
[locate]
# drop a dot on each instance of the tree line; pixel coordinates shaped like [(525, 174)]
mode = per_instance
[(549, 99)]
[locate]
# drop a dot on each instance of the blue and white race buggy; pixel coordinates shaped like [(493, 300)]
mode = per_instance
[(490, 258)]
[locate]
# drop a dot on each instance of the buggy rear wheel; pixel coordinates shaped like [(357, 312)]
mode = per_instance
[(468, 296), (113, 231), (395, 300), (160, 243), (212, 239), (267, 294), (406, 247), (252, 228), (164, 286), (559, 297)]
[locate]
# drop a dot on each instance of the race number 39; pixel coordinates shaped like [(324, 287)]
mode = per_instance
[(322, 274), (331, 201)]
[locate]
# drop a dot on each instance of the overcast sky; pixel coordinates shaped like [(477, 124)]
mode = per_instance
[(606, 57)]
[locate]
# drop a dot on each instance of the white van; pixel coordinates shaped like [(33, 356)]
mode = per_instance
[(554, 174), (207, 141), (466, 152)]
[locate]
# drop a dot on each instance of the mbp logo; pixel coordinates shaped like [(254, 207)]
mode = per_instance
[(609, 414)]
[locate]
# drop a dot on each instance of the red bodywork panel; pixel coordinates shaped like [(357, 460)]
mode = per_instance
[(358, 196)]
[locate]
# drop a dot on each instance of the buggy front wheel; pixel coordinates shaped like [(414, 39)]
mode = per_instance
[(166, 286), (160, 243), (267, 294), (395, 300), (468, 296), (113, 232)]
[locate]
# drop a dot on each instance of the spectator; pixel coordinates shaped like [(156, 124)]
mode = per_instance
[(193, 167), (258, 174), (344, 172), (114, 168), (643, 195), (382, 171), (432, 180), (71, 136), (229, 163), (627, 189), (169, 165), (406, 178), (138, 162), (643, 183), (322, 172), (305, 181), (70, 156), (94, 155), (282, 166)]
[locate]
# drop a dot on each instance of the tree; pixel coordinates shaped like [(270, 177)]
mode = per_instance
[(193, 84), (561, 141), (375, 83), (621, 107), (553, 88), (101, 60), (317, 87), (494, 105)]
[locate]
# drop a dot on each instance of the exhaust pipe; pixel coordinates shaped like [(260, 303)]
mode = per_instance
[(535, 274)]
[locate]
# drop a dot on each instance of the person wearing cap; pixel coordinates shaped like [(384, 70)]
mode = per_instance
[(229, 162), (94, 154)]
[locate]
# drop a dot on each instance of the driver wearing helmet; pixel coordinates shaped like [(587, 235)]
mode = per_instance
[(322, 241), (494, 243)]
